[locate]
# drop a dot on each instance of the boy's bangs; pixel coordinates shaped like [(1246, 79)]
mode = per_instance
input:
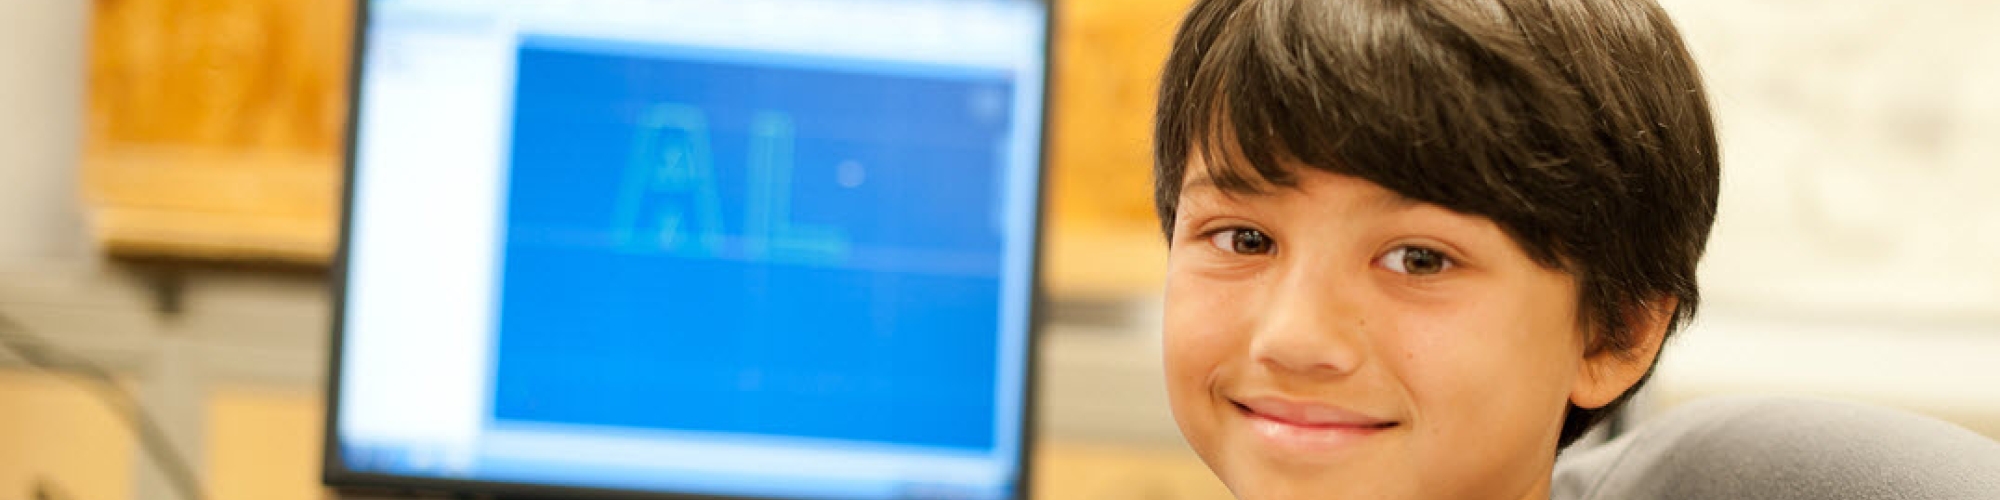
[(1384, 91), (1241, 90), (1231, 165), (1348, 87)]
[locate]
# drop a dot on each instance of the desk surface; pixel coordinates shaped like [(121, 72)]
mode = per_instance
[(263, 444)]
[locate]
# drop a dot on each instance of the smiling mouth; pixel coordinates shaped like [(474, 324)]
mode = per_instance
[(1309, 416), (1309, 431)]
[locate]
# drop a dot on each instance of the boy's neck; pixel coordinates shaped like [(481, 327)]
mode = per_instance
[(1540, 491)]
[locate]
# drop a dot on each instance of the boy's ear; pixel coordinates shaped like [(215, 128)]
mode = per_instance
[(1608, 373)]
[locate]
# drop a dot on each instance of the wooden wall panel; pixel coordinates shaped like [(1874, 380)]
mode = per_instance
[(214, 127), (1104, 241)]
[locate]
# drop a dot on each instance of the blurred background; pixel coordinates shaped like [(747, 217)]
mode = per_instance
[(169, 179)]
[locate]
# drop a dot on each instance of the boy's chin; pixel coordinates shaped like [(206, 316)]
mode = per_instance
[(1251, 475), (1276, 485)]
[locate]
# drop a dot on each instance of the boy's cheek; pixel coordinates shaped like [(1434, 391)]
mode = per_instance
[(1203, 325), (1201, 334), (1193, 343)]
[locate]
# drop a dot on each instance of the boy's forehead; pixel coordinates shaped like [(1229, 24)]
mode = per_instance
[(1233, 173), (1199, 183)]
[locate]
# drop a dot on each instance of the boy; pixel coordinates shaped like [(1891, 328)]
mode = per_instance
[(1418, 246)]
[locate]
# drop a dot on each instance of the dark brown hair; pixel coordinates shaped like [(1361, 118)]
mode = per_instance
[(1580, 127)]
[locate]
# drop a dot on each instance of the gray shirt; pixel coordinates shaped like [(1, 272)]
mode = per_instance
[(1784, 448)]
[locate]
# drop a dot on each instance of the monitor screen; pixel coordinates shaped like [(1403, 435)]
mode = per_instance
[(736, 248)]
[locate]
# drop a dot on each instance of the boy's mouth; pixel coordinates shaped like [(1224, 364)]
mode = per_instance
[(1308, 427)]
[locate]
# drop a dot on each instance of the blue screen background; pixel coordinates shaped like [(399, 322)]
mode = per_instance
[(715, 242)]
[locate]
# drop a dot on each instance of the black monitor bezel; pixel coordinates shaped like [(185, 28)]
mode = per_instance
[(345, 482)]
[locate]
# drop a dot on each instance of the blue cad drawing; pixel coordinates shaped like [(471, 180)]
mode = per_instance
[(725, 246), (669, 200), (769, 232)]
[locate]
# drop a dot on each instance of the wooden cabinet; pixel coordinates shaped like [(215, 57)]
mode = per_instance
[(214, 127)]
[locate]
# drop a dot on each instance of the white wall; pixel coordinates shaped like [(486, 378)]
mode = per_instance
[(1861, 156), (42, 54)]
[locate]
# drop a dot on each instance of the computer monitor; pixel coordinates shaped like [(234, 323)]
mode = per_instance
[(681, 248)]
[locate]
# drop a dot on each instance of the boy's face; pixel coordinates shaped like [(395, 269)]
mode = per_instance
[(1336, 340)]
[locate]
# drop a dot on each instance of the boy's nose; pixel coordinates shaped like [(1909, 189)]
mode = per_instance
[(1314, 329)]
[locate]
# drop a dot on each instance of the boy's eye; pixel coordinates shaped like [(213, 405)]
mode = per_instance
[(1242, 241), (1415, 261)]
